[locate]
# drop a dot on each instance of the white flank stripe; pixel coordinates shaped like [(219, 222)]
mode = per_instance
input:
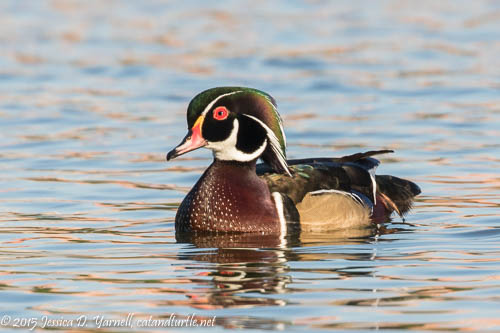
[(278, 201), (374, 184), (353, 196), (274, 142)]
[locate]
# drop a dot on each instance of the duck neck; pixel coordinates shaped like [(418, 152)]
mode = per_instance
[(240, 167)]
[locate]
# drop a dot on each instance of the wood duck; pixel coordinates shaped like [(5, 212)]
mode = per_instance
[(241, 125)]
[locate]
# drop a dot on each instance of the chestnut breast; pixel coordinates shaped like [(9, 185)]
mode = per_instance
[(229, 197)]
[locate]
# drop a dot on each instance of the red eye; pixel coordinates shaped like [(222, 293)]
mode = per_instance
[(221, 113)]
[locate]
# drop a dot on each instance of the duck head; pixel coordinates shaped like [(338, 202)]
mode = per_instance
[(237, 124)]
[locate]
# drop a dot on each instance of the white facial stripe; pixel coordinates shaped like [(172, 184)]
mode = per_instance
[(226, 150), (211, 104), (282, 130), (274, 142), (280, 121)]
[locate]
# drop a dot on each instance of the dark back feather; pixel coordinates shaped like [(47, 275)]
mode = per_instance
[(345, 173)]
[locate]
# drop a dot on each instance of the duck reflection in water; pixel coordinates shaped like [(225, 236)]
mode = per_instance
[(246, 263)]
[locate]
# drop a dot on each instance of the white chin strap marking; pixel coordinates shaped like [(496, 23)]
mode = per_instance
[(226, 150)]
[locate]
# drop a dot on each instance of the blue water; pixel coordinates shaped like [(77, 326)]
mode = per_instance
[(93, 95)]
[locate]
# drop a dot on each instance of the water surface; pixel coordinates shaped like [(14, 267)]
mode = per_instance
[(92, 96)]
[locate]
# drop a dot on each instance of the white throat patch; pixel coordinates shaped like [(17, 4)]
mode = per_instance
[(226, 150)]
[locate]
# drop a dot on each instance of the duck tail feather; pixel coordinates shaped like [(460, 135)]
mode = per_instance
[(397, 191)]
